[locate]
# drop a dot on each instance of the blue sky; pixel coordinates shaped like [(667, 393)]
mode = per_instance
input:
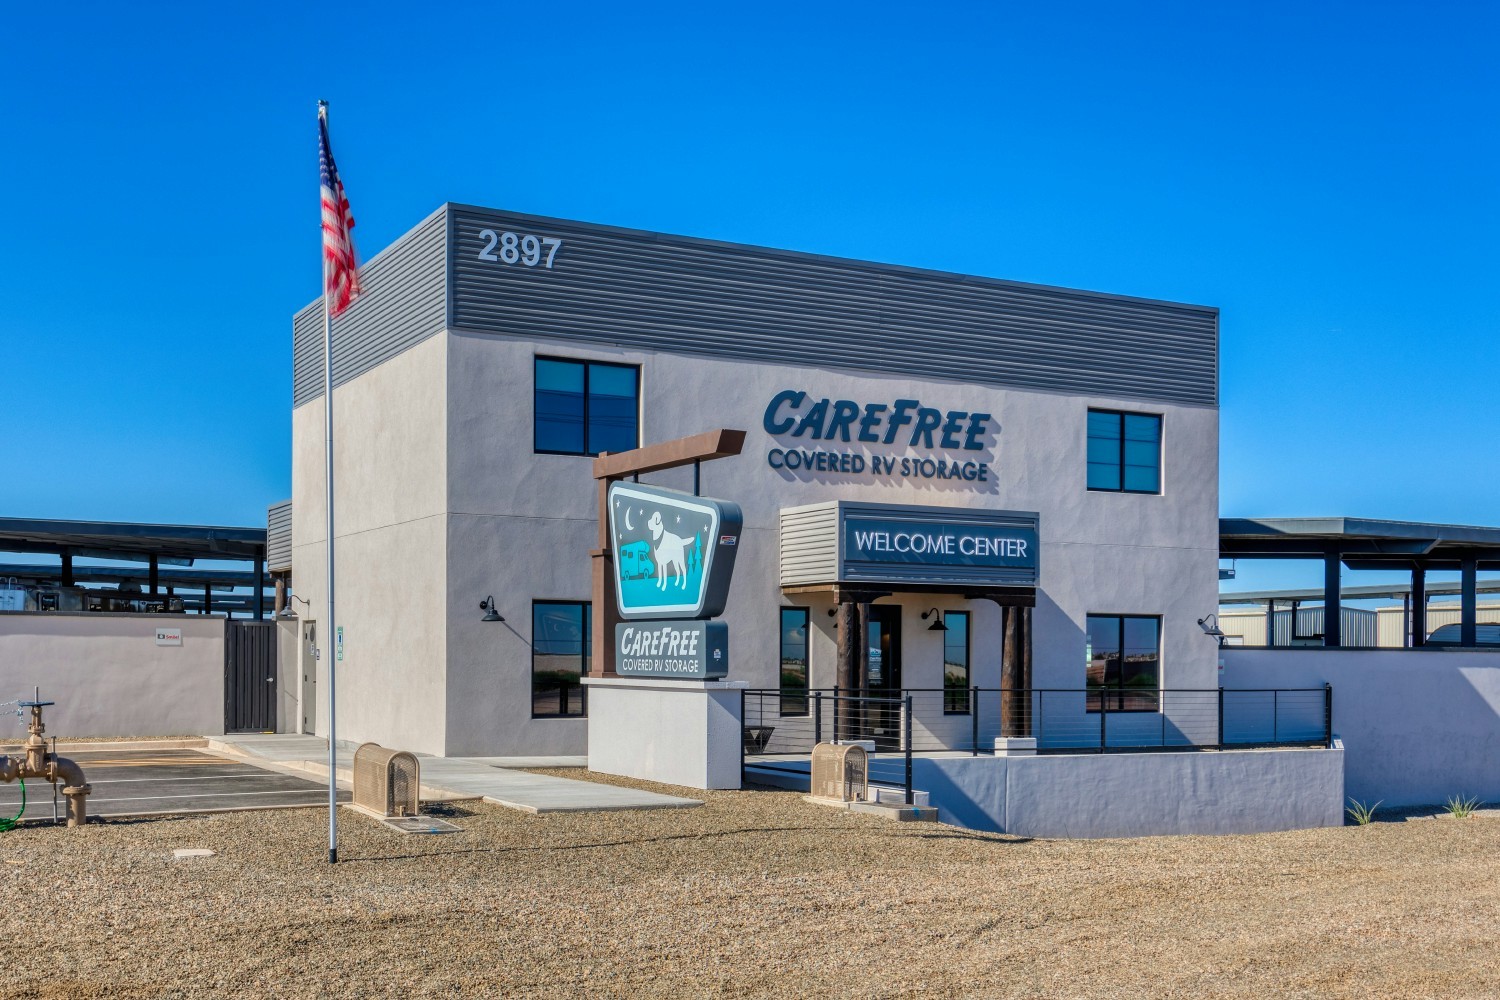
[(1324, 174)]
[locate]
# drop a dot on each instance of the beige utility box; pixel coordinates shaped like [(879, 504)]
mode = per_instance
[(386, 782), (840, 772)]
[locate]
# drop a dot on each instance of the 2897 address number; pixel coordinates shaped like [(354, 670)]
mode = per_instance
[(519, 248)]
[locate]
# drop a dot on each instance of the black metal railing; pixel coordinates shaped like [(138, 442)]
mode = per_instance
[(1061, 720), (883, 723)]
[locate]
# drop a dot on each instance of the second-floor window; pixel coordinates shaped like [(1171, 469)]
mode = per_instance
[(1124, 452), (586, 407)]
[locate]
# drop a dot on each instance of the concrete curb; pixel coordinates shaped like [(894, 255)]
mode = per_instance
[(319, 770), (429, 792), (185, 743)]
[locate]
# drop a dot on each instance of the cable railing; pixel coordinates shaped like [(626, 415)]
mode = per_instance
[(1060, 720)]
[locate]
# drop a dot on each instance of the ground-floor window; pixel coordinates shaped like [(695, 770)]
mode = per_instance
[(1124, 664), (956, 663), (794, 661), (561, 648)]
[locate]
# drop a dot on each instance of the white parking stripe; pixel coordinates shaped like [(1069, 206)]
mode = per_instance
[(195, 777), (323, 792)]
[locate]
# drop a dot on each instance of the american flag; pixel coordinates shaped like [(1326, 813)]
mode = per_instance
[(340, 272)]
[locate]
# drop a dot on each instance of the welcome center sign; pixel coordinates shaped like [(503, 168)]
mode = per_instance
[(937, 545)]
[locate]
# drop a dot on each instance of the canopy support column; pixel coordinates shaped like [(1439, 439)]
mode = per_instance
[(1418, 606), (1468, 613), (260, 584), (1333, 610)]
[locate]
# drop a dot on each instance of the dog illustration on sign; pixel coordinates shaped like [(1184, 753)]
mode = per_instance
[(671, 552)]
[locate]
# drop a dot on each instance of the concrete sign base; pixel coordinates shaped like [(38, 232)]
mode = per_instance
[(676, 732)]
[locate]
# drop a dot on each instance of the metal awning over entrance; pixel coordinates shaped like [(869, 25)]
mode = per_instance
[(1363, 544), (886, 548), (858, 553)]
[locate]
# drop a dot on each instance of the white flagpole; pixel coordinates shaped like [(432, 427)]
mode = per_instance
[(332, 633)]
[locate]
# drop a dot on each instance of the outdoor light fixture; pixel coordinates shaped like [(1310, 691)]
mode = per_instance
[(1211, 629), (937, 620), (488, 607), (289, 613)]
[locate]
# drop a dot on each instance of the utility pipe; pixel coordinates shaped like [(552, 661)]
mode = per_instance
[(37, 762)]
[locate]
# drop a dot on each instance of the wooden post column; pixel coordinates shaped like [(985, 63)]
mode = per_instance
[(1025, 707)]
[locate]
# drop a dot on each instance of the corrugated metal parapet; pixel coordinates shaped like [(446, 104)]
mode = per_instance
[(404, 303), (655, 292), (279, 537), (533, 278)]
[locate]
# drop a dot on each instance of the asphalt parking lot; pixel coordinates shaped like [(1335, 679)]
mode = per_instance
[(152, 782)]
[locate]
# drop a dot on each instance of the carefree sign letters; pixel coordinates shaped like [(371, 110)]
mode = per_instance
[(808, 432), (692, 650)]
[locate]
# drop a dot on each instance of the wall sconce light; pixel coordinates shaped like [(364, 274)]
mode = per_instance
[(488, 607), (1210, 626), (937, 620), (288, 613)]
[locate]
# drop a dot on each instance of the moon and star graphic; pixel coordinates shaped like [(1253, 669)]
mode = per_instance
[(636, 548)]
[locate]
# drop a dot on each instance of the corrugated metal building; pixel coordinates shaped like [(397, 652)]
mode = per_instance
[(1247, 627)]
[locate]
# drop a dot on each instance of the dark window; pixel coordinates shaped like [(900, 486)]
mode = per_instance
[(586, 407), (561, 648), (1124, 452), (793, 661), (1124, 671), (956, 663)]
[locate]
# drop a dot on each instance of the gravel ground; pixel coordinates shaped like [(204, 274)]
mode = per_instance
[(753, 894)]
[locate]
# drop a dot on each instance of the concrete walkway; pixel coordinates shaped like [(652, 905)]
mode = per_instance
[(452, 777)]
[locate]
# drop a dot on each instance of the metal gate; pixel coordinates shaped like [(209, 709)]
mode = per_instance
[(249, 677)]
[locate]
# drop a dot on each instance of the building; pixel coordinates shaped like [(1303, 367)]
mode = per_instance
[(492, 353)]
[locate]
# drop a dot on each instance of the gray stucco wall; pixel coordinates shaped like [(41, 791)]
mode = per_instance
[(108, 676), (1417, 725), (390, 480), (1137, 795), (521, 526)]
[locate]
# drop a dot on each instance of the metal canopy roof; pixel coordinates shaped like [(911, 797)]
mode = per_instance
[(1362, 543), (183, 541), (1363, 593), (194, 579)]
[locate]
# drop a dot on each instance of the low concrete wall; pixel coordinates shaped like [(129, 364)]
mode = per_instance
[(108, 675), (676, 732), (1417, 725), (1137, 794)]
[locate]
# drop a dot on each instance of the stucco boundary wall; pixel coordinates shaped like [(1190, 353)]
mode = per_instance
[(1137, 794), (109, 677), (1418, 725)]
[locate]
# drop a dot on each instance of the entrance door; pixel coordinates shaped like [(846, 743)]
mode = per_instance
[(307, 658), (249, 677), (883, 675)]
